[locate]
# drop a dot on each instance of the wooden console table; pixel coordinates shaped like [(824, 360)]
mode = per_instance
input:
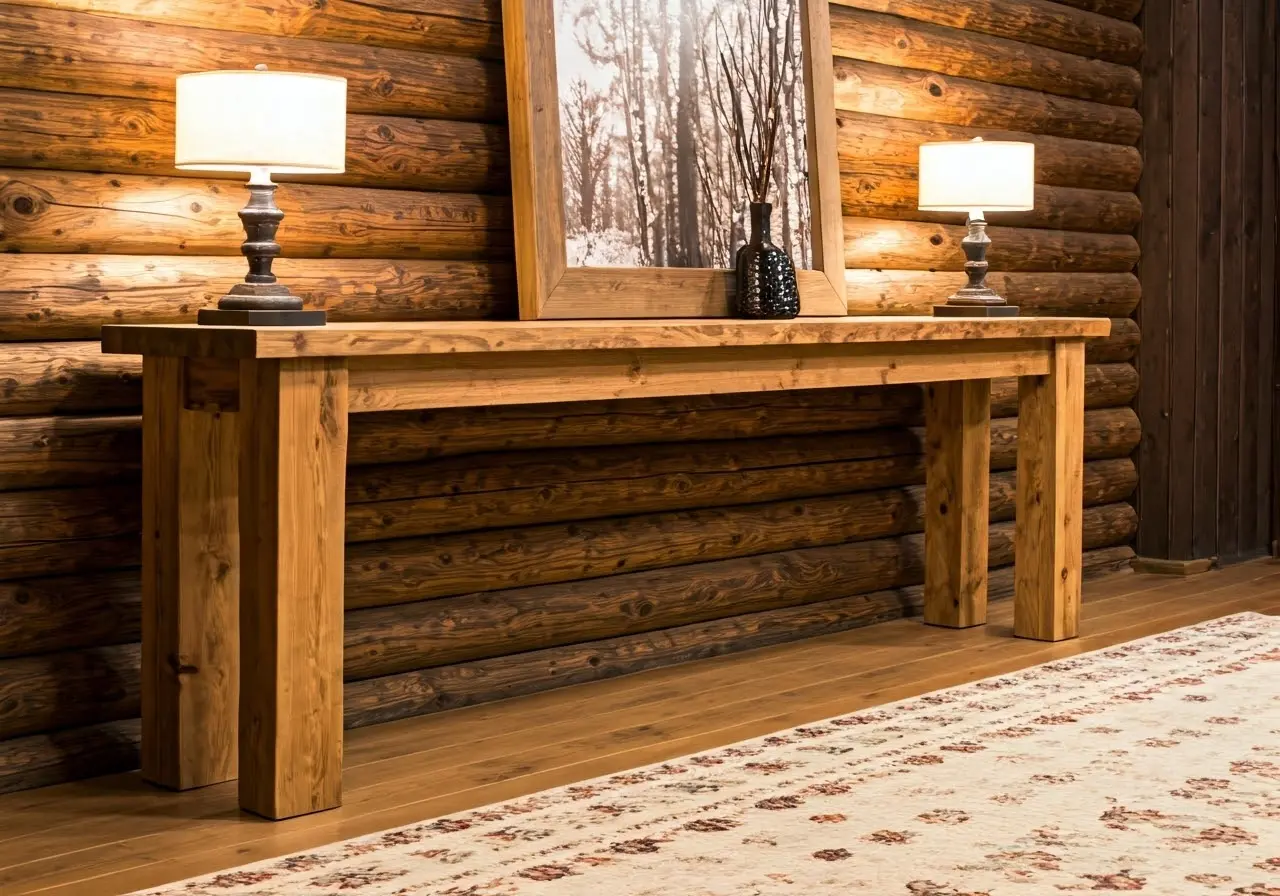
[(244, 462)]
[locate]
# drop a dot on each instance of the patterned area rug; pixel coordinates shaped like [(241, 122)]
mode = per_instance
[(1149, 767)]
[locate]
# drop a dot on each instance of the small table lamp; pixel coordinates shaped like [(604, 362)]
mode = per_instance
[(976, 176), (261, 122)]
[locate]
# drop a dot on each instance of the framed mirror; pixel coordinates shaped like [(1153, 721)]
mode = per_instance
[(626, 118)]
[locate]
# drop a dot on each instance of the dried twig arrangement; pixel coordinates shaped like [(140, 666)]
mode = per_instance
[(755, 140)]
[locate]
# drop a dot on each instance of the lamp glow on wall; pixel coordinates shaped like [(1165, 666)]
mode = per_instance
[(977, 176), (261, 122)]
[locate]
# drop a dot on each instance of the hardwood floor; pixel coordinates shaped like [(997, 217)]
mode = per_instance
[(116, 834)]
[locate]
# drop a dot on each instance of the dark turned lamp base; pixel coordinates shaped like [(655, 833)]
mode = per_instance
[(260, 301), (976, 299)]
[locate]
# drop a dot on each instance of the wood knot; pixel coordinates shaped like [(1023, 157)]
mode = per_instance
[(23, 205), (936, 239), (935, 89)]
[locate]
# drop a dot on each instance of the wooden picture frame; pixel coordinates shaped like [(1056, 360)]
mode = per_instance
[(550, 289)]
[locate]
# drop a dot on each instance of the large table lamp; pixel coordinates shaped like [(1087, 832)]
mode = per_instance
[(977, 176), (261, 122)]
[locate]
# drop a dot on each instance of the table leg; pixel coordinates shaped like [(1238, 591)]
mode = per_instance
[(190, 583), (292, 494), (957, 487), (1048, 539)]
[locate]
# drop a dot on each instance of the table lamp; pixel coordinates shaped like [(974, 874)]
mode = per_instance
[(261, 122), (977, 176)]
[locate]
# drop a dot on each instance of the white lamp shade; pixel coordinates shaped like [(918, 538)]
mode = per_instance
[(991, 175), (286, 122)]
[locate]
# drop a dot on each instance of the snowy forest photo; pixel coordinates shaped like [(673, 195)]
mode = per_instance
[(650, 125)]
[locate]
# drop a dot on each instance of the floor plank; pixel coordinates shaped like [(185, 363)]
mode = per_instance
[(116, 834)]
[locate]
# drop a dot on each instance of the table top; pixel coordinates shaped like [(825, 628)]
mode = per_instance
[(452, 337)]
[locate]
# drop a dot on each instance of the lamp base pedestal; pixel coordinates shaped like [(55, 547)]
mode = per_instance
[(975, 310), (250, 317)]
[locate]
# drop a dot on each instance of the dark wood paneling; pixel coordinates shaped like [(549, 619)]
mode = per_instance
[(1208, 310)]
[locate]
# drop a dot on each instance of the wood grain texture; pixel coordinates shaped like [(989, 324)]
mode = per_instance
[(888, 145), (62, 378), (463, 27), (1037, 22), (1058, 208), (80, 53), (448, 564), (80, 450), (77, 613), (472, 380), (928, 96), (103, 746), (1050, 497), (60, 296), (957, 469), (918, 246), (134, 135), (39, 452), (893, 40), (52, 211), (1070, 293), (190, 586), (448, 631), (457, 339), (67, 531), (292, 464)]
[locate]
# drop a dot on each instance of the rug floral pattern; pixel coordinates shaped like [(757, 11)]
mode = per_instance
[(1149, 767)]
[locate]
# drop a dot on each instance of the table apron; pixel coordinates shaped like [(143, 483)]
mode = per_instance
[(410, 382)]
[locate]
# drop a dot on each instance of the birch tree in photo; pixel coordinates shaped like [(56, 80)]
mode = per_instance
[(586, 144), (686, 145)]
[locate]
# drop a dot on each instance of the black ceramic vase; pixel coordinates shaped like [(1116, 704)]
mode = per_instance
[(766, 277)]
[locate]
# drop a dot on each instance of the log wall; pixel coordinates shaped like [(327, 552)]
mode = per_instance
[(1209, 274), (637, 533)]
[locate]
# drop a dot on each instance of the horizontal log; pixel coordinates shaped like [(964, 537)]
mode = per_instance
[(1058, 208), (929, 96), (1121, 345), (465, 27), (48, 615), (81, 53), (449, 687), (57, 558), (1068, 294), (41, 452), (46, 297), (134, 135), (58, 211), (67, 690), (46, 515), (890, 146), (407, 436), (558, 486), (45, 452), (1125, 10), (892, 40), (419, 569), (66, 378), (66, 531), (1039, 22), (55, 757), (445, 631), (86, 751), (527, 488), (917, 246)]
